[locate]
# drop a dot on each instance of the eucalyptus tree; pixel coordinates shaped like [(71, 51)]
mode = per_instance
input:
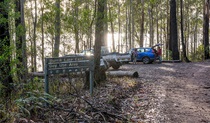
[(42, 31), (105, 29), (130, 23), (99, 74), (89, 17), (206, 8), (34, 68), (76, 24), (112, 28), (5, 53), (119, 26), (197, 23), (57, 29), (151, 22), (182, 33), (21, 40), (142, 24), (173, 43), (112, 18)]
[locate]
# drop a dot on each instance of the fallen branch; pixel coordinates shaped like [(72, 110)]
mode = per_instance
[(123, 73), (41, 74)]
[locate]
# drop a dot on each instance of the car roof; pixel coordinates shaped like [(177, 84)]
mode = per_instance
[(143, 47)]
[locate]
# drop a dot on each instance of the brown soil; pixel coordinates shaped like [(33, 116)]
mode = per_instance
[(173, 93)]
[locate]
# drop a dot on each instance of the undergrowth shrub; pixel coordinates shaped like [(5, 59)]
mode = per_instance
[(198, 55), (33, 102)]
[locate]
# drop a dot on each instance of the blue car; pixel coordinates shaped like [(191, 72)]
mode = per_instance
[(144, 54)]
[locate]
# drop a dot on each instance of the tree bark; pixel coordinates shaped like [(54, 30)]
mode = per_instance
[(23, 37), (168, 44), (182, 34), (76, 26), (129, 24), (21, 42), (57, 29), (206, 28), (132, 25), (112, 29), (157, 24), (42, 30), (195, 32), (173, 31), (126, 28), (123, 74), (142, 24), (151, 31), (34, 69), (105, 29), (119, 27), (99, 74)]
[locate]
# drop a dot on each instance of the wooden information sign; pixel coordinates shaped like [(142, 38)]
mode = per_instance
[(69, 64)]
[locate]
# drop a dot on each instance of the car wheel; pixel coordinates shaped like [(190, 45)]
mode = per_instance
[(116, 66), (146, 60), (106, 65)]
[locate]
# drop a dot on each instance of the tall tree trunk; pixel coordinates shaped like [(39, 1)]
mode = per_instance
[(126, 29), (132, 25), (112, 29), (31, 41), (14, 41), (105, 36), (91, 26), (206, 29), (157, 24), (187, 28), (57, 29), (23, 38), (5, 63), (99, 74), (42, 30), (34, 69), (151, 31), (142, 24), (119, 27), (76, 26), (21, 42), (129, 24), (195, 32), (173, 31), (182, 34), (168, 46)]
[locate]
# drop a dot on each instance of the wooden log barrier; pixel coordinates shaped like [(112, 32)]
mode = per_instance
[(122, 74), (108, 73)]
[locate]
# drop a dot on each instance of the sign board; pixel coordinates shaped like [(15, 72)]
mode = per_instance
[(69, 64)]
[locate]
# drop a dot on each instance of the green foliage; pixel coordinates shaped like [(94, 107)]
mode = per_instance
[(33, 102), (168, 55), (27, 99), (199, 54), (5, 53)]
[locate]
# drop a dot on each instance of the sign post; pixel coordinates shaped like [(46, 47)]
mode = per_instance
[(69, 64)]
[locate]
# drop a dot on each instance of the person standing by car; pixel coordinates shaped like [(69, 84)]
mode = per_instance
[(159, 52), (135, 54), (154, 51)]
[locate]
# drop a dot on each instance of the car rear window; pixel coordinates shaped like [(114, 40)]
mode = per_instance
[(140, 50), (147, 50)]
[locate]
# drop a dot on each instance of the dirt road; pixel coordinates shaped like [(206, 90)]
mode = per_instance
[(176, 92), (163, 93)]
